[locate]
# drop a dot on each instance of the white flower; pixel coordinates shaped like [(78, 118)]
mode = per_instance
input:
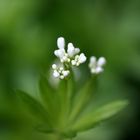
[(59, 72), (82, 58), (79, 59), (56, 74), (72, 50), (65, 72), (96, 66), (60, 53), (61, 43), (101, 61), (54, 66), (71, 55)]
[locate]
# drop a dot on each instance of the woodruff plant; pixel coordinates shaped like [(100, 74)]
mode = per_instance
[(61, 110)]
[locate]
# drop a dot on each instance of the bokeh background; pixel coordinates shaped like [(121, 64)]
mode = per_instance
[(28, 33)]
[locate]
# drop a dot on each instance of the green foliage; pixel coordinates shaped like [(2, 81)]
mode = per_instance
[(28, 31), (62, 107), (49, 98), (98, 115), (34, 107), (82, 98)]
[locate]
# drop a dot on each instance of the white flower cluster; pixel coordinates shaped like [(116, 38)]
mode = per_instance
[(70, 56), (96, 66), (59, 72)]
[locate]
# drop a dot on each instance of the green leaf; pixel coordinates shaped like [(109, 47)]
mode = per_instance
[(34, 106), (48, 95), (82, 98), (93, 118)]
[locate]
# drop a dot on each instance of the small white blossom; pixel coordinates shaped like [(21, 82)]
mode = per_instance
[(54, 66), (66, 72), (59, 72), (96, 66), (60, 53), (82, 58), (102, 61), (79, 59), (72, 51), (61, 43), (56, 74)]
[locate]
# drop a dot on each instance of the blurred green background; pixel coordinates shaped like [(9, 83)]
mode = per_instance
[(28, 33)]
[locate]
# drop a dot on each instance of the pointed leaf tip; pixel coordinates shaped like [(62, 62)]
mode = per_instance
[(103, 113)]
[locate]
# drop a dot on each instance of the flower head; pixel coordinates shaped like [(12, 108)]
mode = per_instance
[(70, 55), (96, 66)]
